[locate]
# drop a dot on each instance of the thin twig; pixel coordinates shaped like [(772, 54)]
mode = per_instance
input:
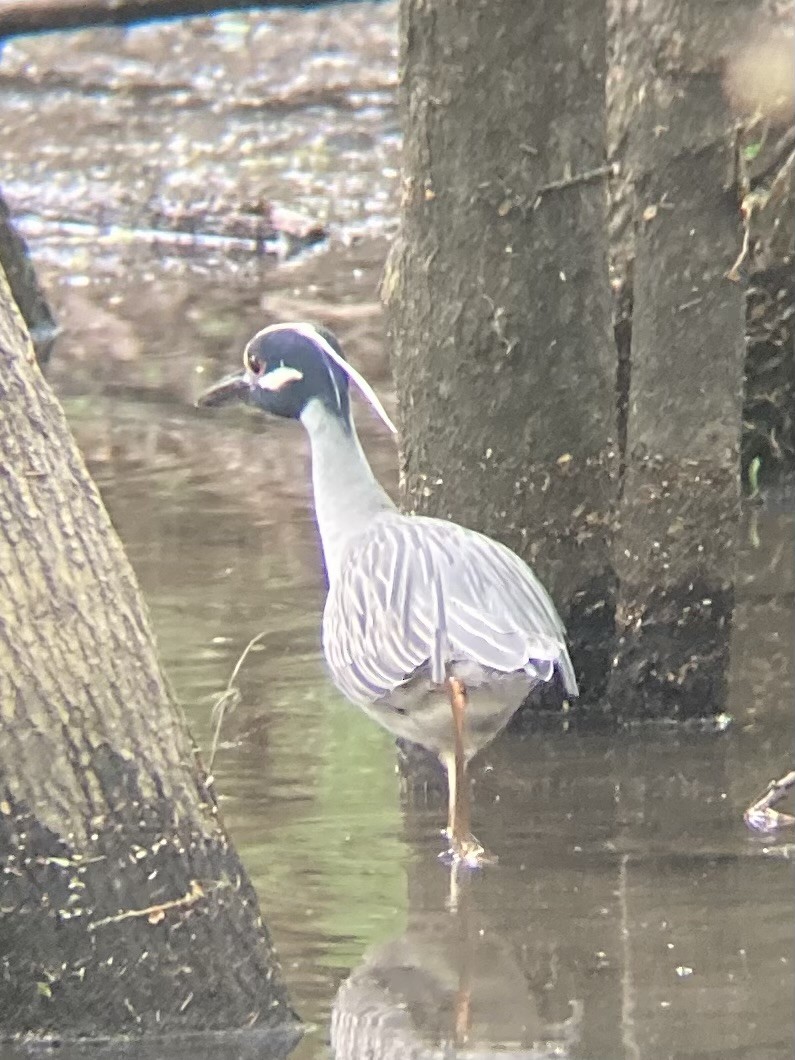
[(578, 178), (230, 697), (734, 273), (761, 816), (155, 913)]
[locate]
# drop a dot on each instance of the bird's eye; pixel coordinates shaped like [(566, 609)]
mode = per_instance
[(253, 362)]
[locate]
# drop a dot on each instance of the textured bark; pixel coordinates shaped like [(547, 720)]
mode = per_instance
[(742, 46), (124, 907), (769, 407), (25, 287), (497, 292), (676, 542)]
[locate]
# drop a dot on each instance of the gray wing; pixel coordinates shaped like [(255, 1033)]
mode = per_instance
[(417, 592)]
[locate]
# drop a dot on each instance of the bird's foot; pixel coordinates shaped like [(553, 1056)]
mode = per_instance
[(466, 851)]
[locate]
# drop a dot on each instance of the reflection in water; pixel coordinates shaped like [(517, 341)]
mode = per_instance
[(629, 915), (451, 982)]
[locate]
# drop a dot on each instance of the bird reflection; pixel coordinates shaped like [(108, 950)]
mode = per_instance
[(451, 986)]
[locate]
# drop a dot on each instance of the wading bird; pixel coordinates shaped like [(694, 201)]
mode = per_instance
[(437, 632)]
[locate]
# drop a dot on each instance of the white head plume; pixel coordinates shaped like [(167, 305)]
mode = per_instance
[(310, 332)]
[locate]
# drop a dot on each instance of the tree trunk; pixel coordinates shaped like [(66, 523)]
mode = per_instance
[(766, 136), (124, 907), (25, 287), (675, 546), (497, 292)]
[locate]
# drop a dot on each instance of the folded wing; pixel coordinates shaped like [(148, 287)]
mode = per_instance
[(418, 593)]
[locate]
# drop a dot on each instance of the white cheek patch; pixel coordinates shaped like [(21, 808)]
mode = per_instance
[(279, 378)]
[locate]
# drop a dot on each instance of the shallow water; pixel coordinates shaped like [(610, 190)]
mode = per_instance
[(631, 913)]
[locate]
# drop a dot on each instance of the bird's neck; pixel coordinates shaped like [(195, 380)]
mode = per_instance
[(347, 493)]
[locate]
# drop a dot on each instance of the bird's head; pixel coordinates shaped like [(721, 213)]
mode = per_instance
[(288, 366)]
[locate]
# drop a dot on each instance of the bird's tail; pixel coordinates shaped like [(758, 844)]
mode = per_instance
[(566, 670)]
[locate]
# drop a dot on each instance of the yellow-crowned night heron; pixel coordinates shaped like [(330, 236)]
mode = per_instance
[(435, 631)]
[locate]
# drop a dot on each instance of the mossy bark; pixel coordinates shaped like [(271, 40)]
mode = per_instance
[(678, 517), (497, 292), (125, 908)]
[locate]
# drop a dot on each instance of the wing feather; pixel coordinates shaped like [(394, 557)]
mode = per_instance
[(416, 592)]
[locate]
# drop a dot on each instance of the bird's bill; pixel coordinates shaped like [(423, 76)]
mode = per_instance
[(232, 388)]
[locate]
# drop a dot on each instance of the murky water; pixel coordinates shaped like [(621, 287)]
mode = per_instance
[(631, 914)]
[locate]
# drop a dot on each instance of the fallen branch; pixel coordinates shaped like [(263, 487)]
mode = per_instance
[(761, 816), (44, 16)]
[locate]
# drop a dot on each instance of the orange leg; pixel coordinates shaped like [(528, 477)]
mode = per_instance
[(461, 816), (463, 845)]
